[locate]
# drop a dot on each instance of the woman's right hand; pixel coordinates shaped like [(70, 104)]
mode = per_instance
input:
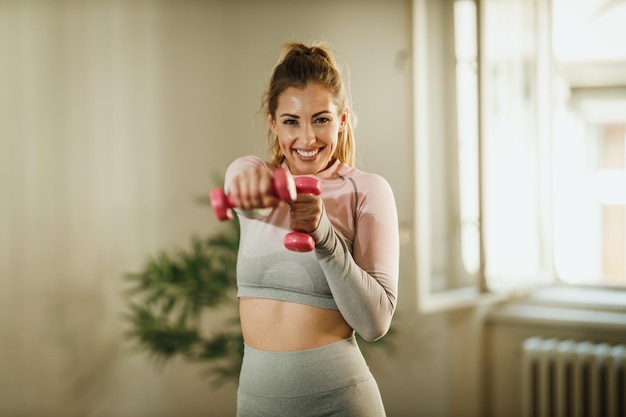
[(254, 189)]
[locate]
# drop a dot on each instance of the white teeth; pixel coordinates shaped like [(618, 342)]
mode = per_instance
[(307, 154)]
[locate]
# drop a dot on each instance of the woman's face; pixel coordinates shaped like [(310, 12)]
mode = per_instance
[(307, 126)]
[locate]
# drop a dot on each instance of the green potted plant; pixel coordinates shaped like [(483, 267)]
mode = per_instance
[(168, 301)]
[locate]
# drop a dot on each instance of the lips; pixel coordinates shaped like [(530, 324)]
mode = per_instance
[(307, 154)]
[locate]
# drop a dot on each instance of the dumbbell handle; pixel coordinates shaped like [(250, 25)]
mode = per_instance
[(298, 240)]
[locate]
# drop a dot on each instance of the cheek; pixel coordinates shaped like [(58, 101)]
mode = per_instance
[(284, 141), (333, 137)]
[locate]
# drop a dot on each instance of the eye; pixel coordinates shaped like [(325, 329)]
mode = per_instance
[(322, 120), (290, 122)]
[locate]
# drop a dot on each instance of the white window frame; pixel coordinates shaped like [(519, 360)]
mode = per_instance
[(430, 19)]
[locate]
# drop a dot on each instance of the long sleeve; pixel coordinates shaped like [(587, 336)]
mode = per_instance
[(364, 280)]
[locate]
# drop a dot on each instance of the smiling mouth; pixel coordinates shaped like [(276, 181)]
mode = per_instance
[(307, 154)]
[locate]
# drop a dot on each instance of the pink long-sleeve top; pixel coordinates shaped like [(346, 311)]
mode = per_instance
[(355, 265)]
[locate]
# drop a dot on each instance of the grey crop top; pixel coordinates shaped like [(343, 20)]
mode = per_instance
[(354, 267)]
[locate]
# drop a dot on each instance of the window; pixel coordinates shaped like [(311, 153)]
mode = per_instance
[(466, 68), (515, 112), (588, 143), (589, 192), (516, 186)]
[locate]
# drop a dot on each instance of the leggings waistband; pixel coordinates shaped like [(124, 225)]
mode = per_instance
[(303, 372)]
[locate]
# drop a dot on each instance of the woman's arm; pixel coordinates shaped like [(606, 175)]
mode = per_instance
[(364, 283)]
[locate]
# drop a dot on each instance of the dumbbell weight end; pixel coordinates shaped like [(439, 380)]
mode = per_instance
[(299, 242)]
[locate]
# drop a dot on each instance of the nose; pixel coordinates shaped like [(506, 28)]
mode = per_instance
[(308, 135)]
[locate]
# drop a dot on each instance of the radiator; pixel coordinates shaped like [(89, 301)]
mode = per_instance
[(565, 378)]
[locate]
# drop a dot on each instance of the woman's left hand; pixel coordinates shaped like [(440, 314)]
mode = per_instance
[(306, 212)]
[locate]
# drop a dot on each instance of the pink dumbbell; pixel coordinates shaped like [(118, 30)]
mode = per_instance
[(286, 188), (298, 240)]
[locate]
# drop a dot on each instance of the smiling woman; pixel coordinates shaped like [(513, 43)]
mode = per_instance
[(299, 311), (307, 128)]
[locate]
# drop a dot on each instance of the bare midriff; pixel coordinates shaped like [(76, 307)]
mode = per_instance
[(281, 326)]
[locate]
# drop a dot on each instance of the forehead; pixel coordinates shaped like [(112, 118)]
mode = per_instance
[(313, 97)]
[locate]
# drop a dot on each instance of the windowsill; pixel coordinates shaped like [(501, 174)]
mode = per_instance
[(460, 298), (592, 298), (566, 306), (581, 298)]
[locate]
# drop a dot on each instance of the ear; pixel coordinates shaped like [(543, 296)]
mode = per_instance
[(344, 119), (271, 123)]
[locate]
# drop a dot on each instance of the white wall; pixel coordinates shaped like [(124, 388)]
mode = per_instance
[(114, 117)]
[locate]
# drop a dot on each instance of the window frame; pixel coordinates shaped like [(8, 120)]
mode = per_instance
[(429, 59)]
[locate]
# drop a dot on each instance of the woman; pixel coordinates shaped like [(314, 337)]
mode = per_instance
[(299, 311)]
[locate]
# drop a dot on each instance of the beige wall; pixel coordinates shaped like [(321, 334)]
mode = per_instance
[(114, 117)]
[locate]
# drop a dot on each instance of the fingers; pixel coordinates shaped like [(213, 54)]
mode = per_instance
[(305, 213), (253, 189)]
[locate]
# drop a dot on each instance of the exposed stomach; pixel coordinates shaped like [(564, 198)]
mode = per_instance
[(281, 326)]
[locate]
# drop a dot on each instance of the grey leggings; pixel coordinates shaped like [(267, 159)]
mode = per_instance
[(332, 380)]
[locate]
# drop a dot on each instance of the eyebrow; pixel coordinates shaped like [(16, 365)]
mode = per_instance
[(293, 116)]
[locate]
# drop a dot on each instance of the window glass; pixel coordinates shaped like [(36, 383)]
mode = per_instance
[(589, 175), (465, 41), (513, 99), (520, 145), (589, 195)]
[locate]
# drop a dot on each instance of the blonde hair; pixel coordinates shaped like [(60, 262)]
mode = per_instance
[(298, 66)]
